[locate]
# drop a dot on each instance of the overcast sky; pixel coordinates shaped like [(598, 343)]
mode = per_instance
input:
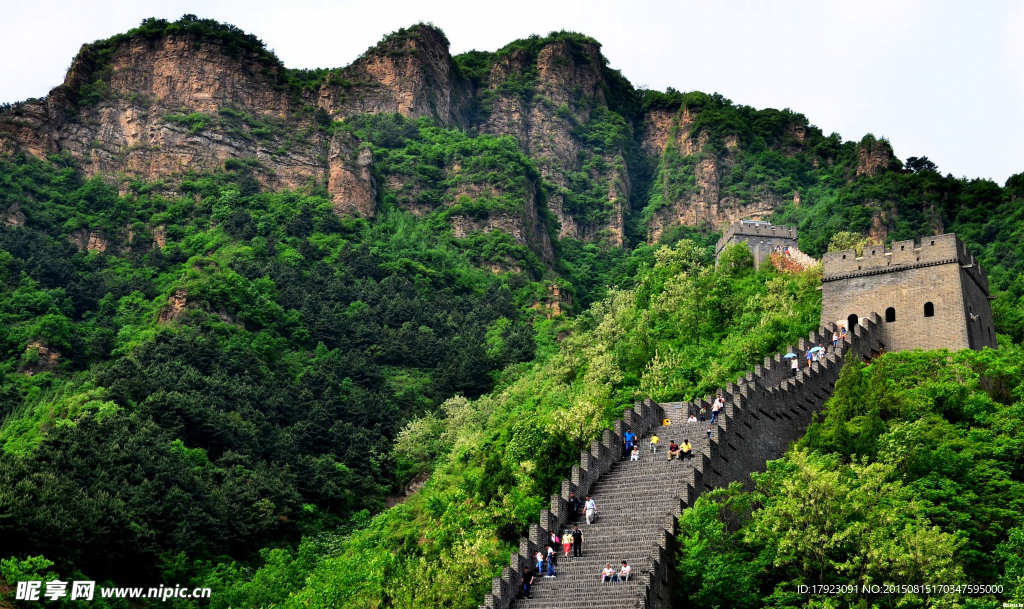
[(939, 78)]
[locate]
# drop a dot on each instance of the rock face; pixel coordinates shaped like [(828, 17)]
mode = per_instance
[(350, 178), (153, 108), (13, 216), (570, 89), (410, 72), (176, 303), (177, 104), (88, 240), (873, 157), (162, 114), (40, 358), (670, 135)]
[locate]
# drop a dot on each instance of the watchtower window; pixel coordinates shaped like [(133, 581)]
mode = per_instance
[(929, 309), (890, 314), (851, 321)]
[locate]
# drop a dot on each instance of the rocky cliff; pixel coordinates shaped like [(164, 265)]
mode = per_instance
[(546, 97), (704, 172), (168, 100)]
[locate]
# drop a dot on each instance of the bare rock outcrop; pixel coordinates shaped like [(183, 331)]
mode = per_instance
[(569, 84), (410, 72), (86, 240), (873, 157), (350, 179), (39, 358), (14, 216), (701, 203), (176, 304)]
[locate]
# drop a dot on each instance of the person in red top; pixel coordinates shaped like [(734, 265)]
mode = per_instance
[(673, 450)]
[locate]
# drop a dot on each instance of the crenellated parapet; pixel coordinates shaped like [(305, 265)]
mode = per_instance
[(750, 228), (762, 238), (931, 295)]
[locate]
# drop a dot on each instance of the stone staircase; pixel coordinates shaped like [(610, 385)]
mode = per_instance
[(638, 503)]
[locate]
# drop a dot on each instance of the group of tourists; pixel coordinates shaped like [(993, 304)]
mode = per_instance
[(676, 451), (547, 558), (609, 575)]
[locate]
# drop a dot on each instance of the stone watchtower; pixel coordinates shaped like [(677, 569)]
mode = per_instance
[(761, 237), (930, 296)]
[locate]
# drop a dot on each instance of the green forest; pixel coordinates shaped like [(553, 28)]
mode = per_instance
[(218, 384)]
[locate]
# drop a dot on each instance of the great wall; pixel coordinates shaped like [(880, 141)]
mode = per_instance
[(934, 295), (639, 502)]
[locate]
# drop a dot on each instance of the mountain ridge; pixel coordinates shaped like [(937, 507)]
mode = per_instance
[(166, 98)]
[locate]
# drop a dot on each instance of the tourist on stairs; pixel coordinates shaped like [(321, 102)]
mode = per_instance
[(687, 450), (551, 562), (591, 508), (673, 450), (608, 574), (574, 504), (625, 572), (527, 582), (577, 541), (629, 439)]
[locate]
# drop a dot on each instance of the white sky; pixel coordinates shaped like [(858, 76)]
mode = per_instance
[(938, 78)]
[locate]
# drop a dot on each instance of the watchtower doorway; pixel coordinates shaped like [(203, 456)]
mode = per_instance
[(851, 321)]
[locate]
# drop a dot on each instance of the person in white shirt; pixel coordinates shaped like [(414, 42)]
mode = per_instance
[(608, 574), (635, 454), (591, 509), (692, 419), (624, 572)]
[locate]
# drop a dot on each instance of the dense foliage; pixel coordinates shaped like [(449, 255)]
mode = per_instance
[(261, 405), (496, 459), (211, 384)]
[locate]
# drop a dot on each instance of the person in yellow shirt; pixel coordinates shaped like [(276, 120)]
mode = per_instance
[(687, 450), (654, 444)]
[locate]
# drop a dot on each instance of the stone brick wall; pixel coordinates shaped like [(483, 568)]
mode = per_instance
[(904, 278), (766, 410), (762, 239)]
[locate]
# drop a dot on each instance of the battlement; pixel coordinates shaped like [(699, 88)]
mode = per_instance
[(903, 255), (751, 228), (934, 294)]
